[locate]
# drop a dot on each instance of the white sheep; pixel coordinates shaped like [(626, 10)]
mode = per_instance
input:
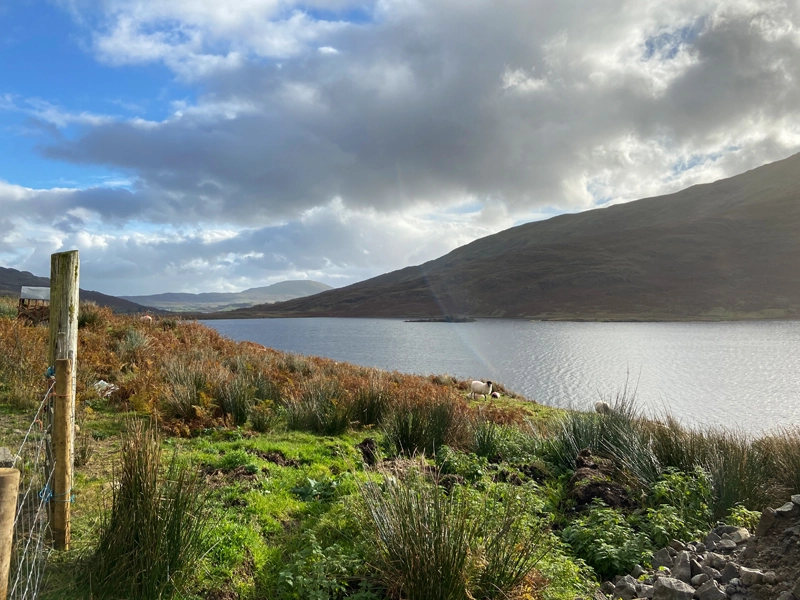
[(478, 387), (495, 394), (602, 407), (146, 319)]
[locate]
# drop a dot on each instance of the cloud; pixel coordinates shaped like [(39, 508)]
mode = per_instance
[(310, 124)]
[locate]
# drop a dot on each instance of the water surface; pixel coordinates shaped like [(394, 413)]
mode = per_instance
[(738, 374)]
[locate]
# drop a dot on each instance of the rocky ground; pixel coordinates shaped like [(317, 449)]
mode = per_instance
[(729, 564)]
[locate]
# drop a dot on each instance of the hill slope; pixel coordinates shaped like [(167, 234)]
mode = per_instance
[(277, 292), (728, 249), (12, 280)]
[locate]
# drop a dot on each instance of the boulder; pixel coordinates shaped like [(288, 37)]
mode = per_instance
[(682, 569), (710, 591), (740, 535), (662, 558), (668, 588), (712, 573), (711, 540), (766, 521), (786, 596), (715, 560), (726, 545), (750, 577), (796, 498), (625, 588), (770, 577), (730, 571), (646, 591), (697, 568), (6, 458), (796, 588), (700, 579), (788, 510)]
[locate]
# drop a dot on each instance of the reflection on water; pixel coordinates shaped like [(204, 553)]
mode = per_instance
[(744, 375)]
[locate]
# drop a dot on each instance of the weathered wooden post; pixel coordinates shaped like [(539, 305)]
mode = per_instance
[(63, 354), (9, 488), (63, 432)]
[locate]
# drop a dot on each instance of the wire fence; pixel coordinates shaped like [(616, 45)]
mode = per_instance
[(32, 546)]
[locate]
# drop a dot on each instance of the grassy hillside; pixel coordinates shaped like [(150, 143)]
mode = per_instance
[(12, 280), (205, 302), (723, 250), (216, 469)]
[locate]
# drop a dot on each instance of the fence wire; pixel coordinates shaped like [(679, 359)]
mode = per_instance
[(32, 545)]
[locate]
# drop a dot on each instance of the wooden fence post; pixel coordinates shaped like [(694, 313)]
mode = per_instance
[(64, 307), (9, 489), (62, 448)]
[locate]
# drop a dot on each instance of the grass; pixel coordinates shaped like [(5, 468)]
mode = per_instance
[(293, 511)]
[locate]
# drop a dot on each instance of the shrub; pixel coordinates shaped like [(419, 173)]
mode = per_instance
[(264, 417), (452, 462), (8, 307), (372, 401), (236, 399), (90, 314), (321, 408), (153, 535), (743, 517), (603, 538), (132, 345), (424, 425), (433, 546)]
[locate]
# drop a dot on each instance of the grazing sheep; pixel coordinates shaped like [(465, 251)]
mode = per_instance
[(495, 394), (478, 387), (146, 319), (602, 407)]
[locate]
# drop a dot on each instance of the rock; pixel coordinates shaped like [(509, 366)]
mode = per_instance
[(700, 547), (730, 571), (786, 596), (637, 571), (712, 573), (726, 545), (710, 591), (766, 522), (696, 567), (625, 588), (738, 596), (750, 577), (691, 548), (369, 451), (6, 458), (662, 558), (770, 577), (796, 588), (715, 560), (646, 591), (607, 588), (733, 586), (668, 588), (711, 540), (788, 510), (677, 545), (796, 498), (682, 569), (723, 529), (700, 579), (740, 535)]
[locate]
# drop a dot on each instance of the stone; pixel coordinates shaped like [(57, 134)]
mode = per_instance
[(730, 571), (668, 588), (723, 529), (770, 577), (607, 588), (740, 535), (697, 568), (788, 510), (712, 573), (715, 560), (796, 588), (733, 586), (711, 540), (662, 558), (700, 547), (738, 596), (691, 548), (625, 588), (637, 571), (6, 458), (700, 579), (646, 591), (726, 545), (786, 596), (682, 569), (726, 536), (796, 498), (750, 577), (710, 591), (766, 521), (677, 545)]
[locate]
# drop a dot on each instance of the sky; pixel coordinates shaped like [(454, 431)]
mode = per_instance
[(213, 145)]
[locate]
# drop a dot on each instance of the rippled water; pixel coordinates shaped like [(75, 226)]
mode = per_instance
[(743, 374)]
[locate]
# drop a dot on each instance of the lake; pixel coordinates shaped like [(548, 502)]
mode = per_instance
[(743, 375)]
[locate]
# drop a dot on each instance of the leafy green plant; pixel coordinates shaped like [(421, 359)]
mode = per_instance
[(604, 539), (743, 517), (453, 462)]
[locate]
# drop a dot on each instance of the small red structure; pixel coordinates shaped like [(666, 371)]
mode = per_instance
[(34, 305)]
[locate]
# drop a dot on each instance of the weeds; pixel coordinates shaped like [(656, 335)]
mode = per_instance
[(153, 535)]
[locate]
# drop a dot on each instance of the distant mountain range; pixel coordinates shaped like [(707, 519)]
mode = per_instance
[(213, 301), (12, 280), (728, 249)]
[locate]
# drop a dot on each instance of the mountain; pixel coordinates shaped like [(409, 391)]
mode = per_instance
[(12, 280), (728, 249), (277, 292)]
